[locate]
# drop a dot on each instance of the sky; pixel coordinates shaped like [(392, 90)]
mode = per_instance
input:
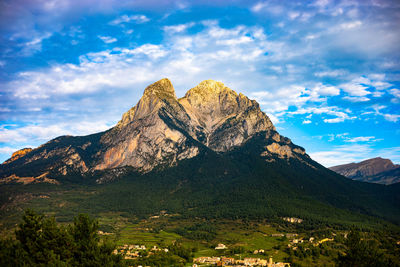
[(326, 72)]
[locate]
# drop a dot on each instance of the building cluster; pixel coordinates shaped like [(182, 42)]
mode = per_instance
[(104, 233), (292, 219), (221, 246), (296, 241), (224, 261), (131, 252)]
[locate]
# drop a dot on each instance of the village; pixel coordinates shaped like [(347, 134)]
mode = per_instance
[(221, 258), (224, 261), (132, 252)]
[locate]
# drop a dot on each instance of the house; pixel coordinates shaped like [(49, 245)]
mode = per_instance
[(250, 261), (207, 260), (276, 264), (296, 241), (221, 246), (228, 261), (324, 240), (277, 235)]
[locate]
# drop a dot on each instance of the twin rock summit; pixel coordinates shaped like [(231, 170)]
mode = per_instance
[(159, 131)]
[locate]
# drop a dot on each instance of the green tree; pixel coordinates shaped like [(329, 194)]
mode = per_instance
[(360, 252), (89, 251), (41, 242)]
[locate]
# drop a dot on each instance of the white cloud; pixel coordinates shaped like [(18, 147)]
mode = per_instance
[(326, 90), (378, 94), (8, 150), (395, 92), (338, 155), (259, 6), (178, 28), (340, 115), (108, 39), (345, 137), (391, 117), (275, 120), (351, 25), (321, 3), (331, 73), (281, 99), (41, 133), (293, 15), (335, 120), (356, 98), (355, 89), (268, 7), (185, 59), (311, 36), (306, 122), (129, 19), (360, 139), (33, 45)]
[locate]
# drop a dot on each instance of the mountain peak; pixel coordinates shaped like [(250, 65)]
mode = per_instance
[(367, 170), (228, 119), (208, 89), (162, 89), (153, 97)]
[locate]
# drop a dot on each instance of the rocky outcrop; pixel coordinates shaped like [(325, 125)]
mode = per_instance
[(161, 130), (18, 154), (375, 170), (28, 180)]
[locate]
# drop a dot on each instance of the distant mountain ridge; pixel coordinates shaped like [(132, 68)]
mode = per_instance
[(375, 170)]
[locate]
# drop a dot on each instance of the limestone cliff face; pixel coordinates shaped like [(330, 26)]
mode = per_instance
[(227, 119), (156, 131), (161, 130)]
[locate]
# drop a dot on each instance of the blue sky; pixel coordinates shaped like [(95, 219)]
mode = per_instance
[(326, 72)]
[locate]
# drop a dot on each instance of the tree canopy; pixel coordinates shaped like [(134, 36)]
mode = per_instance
[(39, 241)]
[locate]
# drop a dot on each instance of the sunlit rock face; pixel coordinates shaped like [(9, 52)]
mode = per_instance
[(227, 119), (153, 132), (161, 130), (18, 154)]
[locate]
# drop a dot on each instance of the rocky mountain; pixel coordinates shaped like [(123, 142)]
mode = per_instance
[(212, 154), (159, 131), (375, 170)]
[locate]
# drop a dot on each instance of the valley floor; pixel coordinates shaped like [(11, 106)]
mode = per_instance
[(185, 241)]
